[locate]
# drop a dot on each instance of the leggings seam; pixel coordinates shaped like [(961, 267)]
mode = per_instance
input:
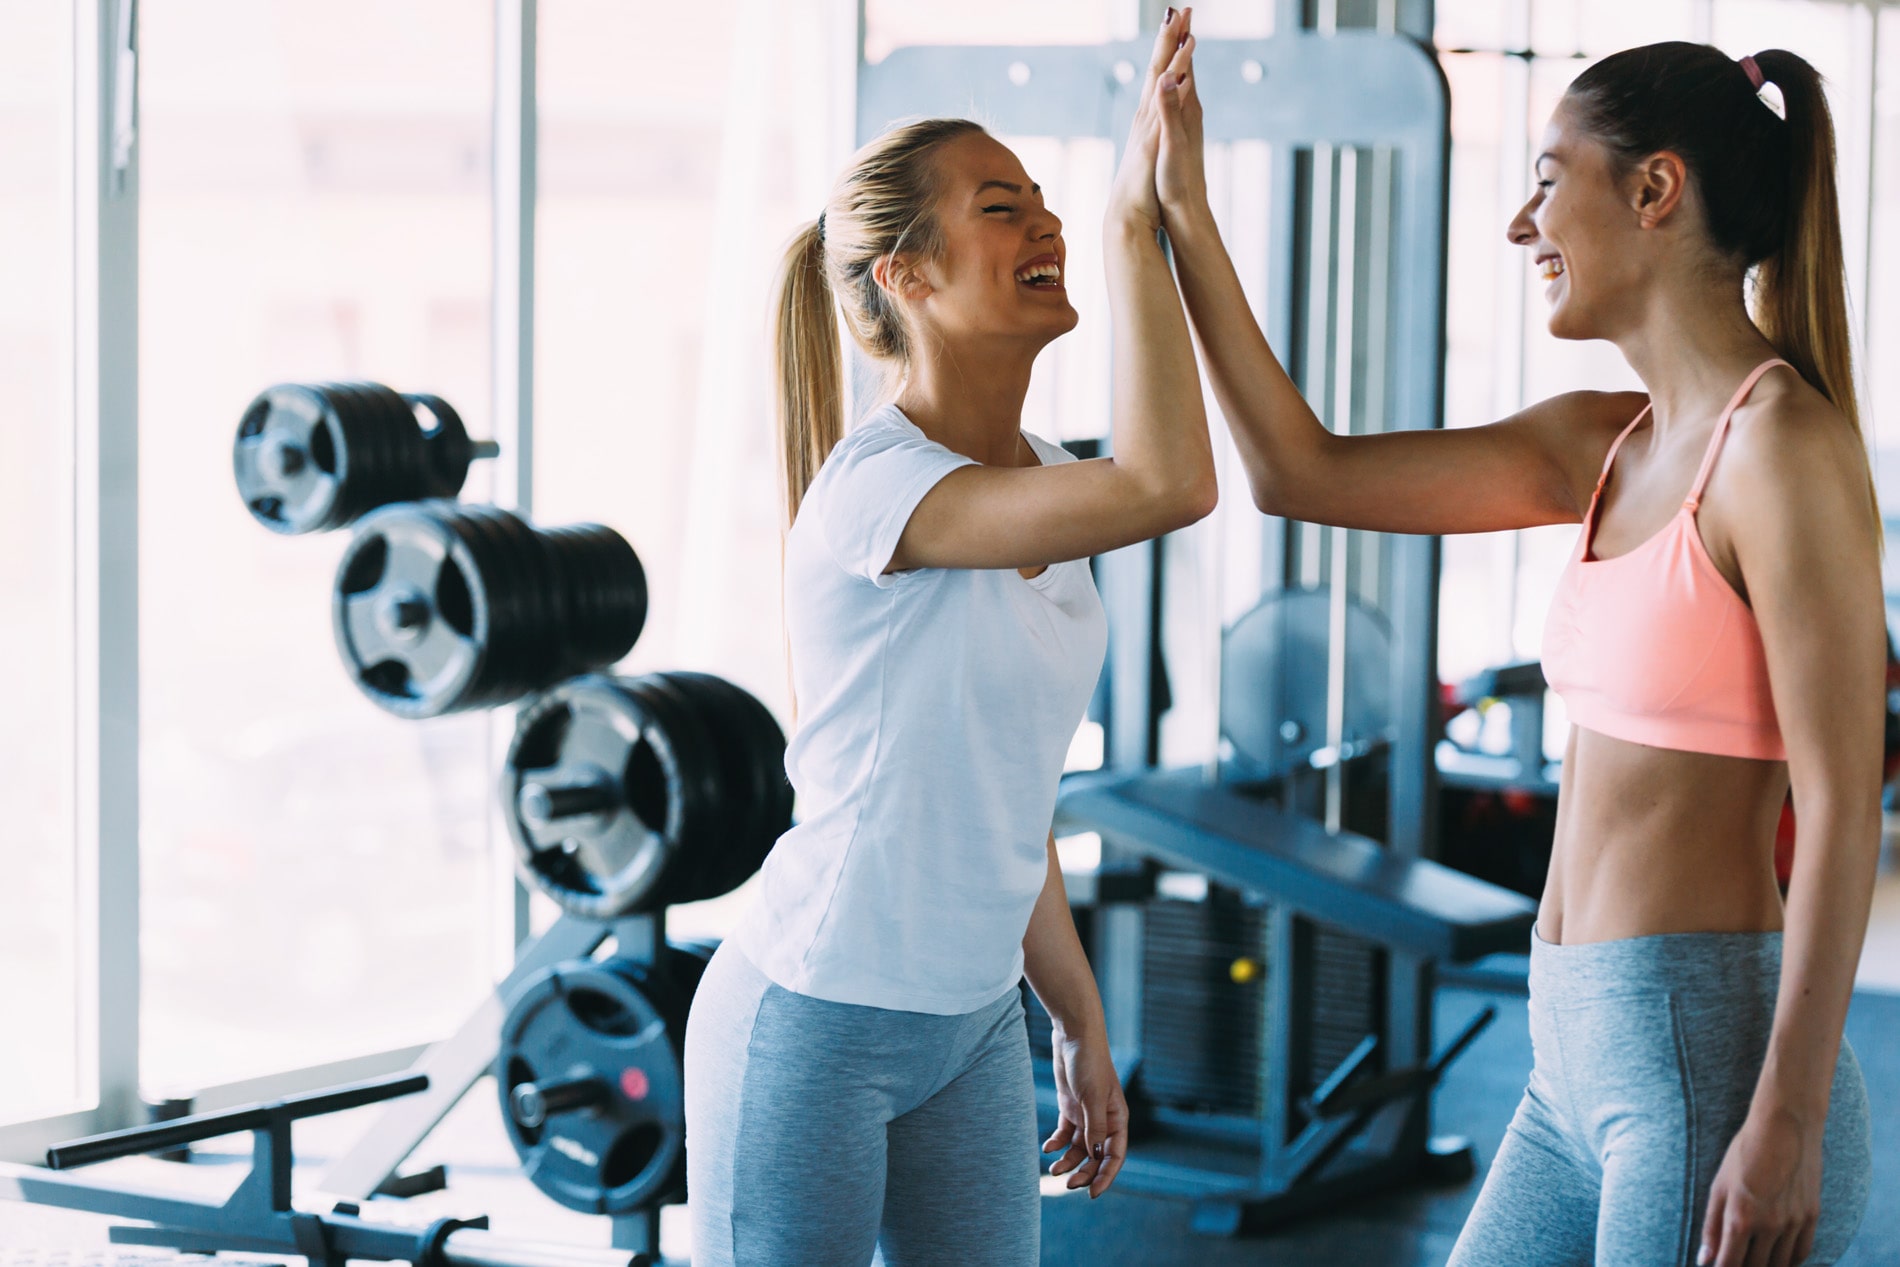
[(738, 1122), (1692, 1141)]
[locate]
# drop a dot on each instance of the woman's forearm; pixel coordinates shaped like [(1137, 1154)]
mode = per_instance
[(1273, 426), (1829, 894), (1159, 420), (1053, 960)]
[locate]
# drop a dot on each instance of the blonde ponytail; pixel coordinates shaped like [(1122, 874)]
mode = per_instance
[(881, 207), (807, 365)]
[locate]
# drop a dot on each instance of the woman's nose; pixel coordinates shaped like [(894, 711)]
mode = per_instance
[(1522, 231)]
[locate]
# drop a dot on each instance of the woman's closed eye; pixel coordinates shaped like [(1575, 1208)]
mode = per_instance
[(997, 207)]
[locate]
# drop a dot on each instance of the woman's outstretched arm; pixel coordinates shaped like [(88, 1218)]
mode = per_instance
[(1535, 467)]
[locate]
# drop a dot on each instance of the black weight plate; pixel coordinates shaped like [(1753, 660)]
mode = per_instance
[(498, 587), (605, 585), (756, 748), (583, 731), (409, 465), (366, 440), (702, 786), (526, 655), (446, 445), (605, 1023), (740, 807), (289, 416), (538, 618), (411, 675), (667, 714)]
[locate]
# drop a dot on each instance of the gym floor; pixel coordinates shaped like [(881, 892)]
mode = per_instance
[(1413, 1228)]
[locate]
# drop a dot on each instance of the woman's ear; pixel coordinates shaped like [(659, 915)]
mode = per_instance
[(899, 277), (1658, 186)]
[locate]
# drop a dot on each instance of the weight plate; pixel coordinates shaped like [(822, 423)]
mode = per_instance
[(591, 793), (1274, 665), (591, 1084), (410, 611), (290, 463), (445, 442)]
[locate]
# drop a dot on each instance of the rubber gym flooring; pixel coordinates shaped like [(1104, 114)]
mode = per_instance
[(1412, 1228)]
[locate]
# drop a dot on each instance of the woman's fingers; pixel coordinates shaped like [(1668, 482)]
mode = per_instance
[(1064, 1132), (1174, 28), (1712, 1227)]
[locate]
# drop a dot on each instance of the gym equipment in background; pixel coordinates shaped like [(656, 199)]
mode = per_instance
[(1270, 1000), (591, 1079), (626, 792), (440, 607), (310, 457), (258, 1217), (1497, 811)]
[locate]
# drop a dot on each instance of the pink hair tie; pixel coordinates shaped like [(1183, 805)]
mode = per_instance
[(1754, 72)]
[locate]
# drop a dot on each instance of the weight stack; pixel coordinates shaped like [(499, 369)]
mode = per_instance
[(1201, 1028), (1208, 969)]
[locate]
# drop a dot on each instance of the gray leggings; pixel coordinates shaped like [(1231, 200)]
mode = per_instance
[(819, 1132), (1645, 1055)]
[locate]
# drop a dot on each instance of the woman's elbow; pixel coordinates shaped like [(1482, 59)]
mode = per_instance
[(1269, 494)]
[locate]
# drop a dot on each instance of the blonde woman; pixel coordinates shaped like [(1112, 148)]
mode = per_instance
[(857, 1067)]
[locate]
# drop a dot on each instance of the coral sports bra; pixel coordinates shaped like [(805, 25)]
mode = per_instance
[(1655, 646)]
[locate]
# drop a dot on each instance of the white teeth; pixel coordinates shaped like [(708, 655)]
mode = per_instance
[(1037, 272), (1552, 269)]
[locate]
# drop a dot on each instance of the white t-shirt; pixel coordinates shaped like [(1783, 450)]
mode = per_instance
[(935, 709)]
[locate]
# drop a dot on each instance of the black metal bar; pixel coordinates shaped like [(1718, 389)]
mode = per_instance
[(251, 1117), (1320, 1101)]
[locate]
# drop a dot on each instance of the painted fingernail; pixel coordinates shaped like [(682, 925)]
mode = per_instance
[(1167, 19), (1180, 79)]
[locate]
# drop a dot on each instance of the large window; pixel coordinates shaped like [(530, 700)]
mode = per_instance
[(39, 900), (315, 205)]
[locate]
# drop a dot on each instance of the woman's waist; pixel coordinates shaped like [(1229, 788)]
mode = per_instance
[(1638, 862)]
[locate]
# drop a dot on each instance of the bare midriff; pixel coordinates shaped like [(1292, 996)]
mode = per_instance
[(1653, 840)]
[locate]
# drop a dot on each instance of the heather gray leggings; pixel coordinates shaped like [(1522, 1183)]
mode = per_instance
[(818, 1132), (1646, 1052)]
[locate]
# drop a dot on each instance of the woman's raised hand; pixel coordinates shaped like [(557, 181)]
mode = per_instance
[(1180, 173), (1134, 195)]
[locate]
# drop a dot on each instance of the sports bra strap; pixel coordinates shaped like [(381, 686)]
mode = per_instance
[(1617, 444), (1721, 429)]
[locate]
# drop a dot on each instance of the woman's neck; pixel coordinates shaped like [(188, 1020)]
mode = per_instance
[(1692, 347), (970, 403)]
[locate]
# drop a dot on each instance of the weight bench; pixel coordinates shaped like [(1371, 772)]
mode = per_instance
[(258, 1217), (1282, 995)]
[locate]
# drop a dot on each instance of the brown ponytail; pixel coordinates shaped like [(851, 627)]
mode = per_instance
[(881, 207), (1801, 288), (1767, 186)]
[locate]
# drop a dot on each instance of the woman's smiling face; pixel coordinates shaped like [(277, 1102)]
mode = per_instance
[(1002, 264), (1584, 230)]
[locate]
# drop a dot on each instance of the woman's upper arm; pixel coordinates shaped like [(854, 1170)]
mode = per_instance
[(1002, 516), (1535, 467), (1804, 535)]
